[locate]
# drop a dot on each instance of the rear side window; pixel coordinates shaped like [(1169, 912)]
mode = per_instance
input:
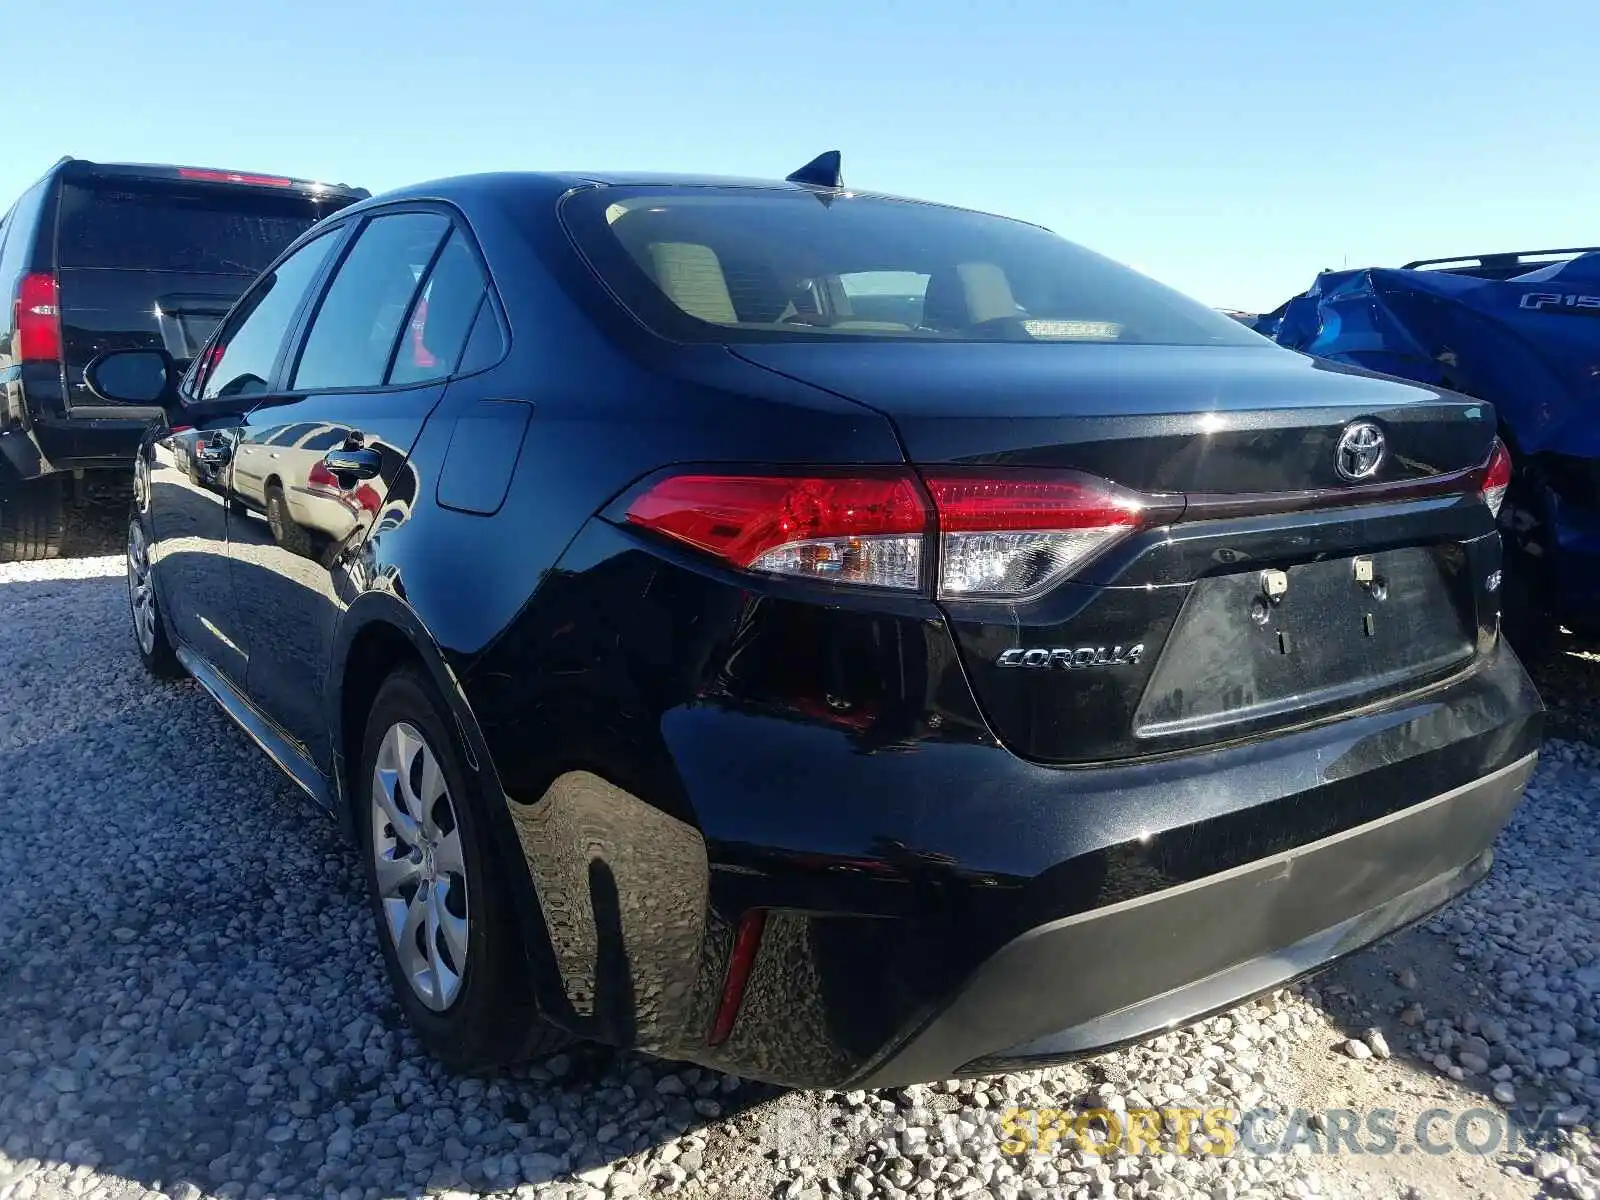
[(442, 317), (16, 255), (485, 344), (208, 230), (330, 438), (291, 434), (725, 264), (354, 332)]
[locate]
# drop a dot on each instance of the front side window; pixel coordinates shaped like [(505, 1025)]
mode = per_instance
[(728, 264), (241, 362), (356, 327)]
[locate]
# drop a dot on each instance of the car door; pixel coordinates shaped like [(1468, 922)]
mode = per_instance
[(373, 361), (188, 470)]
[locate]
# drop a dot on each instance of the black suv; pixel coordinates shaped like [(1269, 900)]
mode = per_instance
[(838, 640), (97, 257)]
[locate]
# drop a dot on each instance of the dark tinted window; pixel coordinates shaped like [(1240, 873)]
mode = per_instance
[(355, 328), (154, 226), (442, 317), (291, 434), (739, 264), (328, 439), (17, 254), (486, 344), (240, 364)]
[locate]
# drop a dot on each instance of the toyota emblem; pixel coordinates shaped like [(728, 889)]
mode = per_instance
[(1359, 453)]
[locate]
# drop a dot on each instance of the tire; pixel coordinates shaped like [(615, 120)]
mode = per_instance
[(32, 518), (1528, 615), (144, 606), (468, 997), (288, 535)]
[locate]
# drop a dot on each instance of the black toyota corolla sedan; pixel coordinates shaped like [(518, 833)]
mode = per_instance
[(834, 639)]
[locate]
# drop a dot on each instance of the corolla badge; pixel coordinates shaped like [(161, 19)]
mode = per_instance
[(1359, 453), (1071, 658)]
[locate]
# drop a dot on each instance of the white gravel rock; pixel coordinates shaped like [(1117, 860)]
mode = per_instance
[(194, 1004)]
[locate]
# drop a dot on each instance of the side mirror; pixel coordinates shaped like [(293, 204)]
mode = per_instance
[(147, 378)]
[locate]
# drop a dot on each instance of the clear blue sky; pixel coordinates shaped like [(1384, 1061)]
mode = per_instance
[(1230, 149)]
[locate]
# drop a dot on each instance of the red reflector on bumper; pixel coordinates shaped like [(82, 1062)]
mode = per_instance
[(746, 942)]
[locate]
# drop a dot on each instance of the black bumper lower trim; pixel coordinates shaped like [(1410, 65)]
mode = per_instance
[(1132, 970)]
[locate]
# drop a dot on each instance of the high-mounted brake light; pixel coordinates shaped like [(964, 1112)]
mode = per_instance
[(864, 529), (1001, 534), (205, 176), (1496, 477), (38, 319)]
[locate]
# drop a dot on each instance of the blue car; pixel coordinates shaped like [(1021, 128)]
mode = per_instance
[(1521, 331)]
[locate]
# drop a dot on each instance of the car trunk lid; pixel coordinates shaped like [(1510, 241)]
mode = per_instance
[(1208, 419), (1269, 588)]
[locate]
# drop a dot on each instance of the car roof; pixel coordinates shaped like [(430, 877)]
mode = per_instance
[(552, 184)]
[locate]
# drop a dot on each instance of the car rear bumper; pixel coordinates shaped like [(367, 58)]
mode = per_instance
[(935, 907), (1132, 970), (57, 445), (42, 434)]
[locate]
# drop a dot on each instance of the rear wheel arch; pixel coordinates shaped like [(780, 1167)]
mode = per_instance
[(380, 635)]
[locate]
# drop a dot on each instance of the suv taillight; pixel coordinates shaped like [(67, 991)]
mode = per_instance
[(1000, 535), (38, 319)]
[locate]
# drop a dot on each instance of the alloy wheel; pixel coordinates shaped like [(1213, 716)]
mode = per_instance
[(275, 518), (141, 594), (421, 872)]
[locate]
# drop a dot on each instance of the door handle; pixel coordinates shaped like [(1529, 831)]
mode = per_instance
[(351, 465)]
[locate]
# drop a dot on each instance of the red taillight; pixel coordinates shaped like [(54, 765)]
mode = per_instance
[(1496, 477), (1001, 534), (969, 503), (205, 176), (38, 319), (865, 529), (320, 477), (745, 944), (1007, 536)]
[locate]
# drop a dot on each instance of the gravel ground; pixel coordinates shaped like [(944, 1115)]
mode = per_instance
[(193, 1005)]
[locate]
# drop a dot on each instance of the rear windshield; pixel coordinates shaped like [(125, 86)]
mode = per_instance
[(213, 230), (751, 264)]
